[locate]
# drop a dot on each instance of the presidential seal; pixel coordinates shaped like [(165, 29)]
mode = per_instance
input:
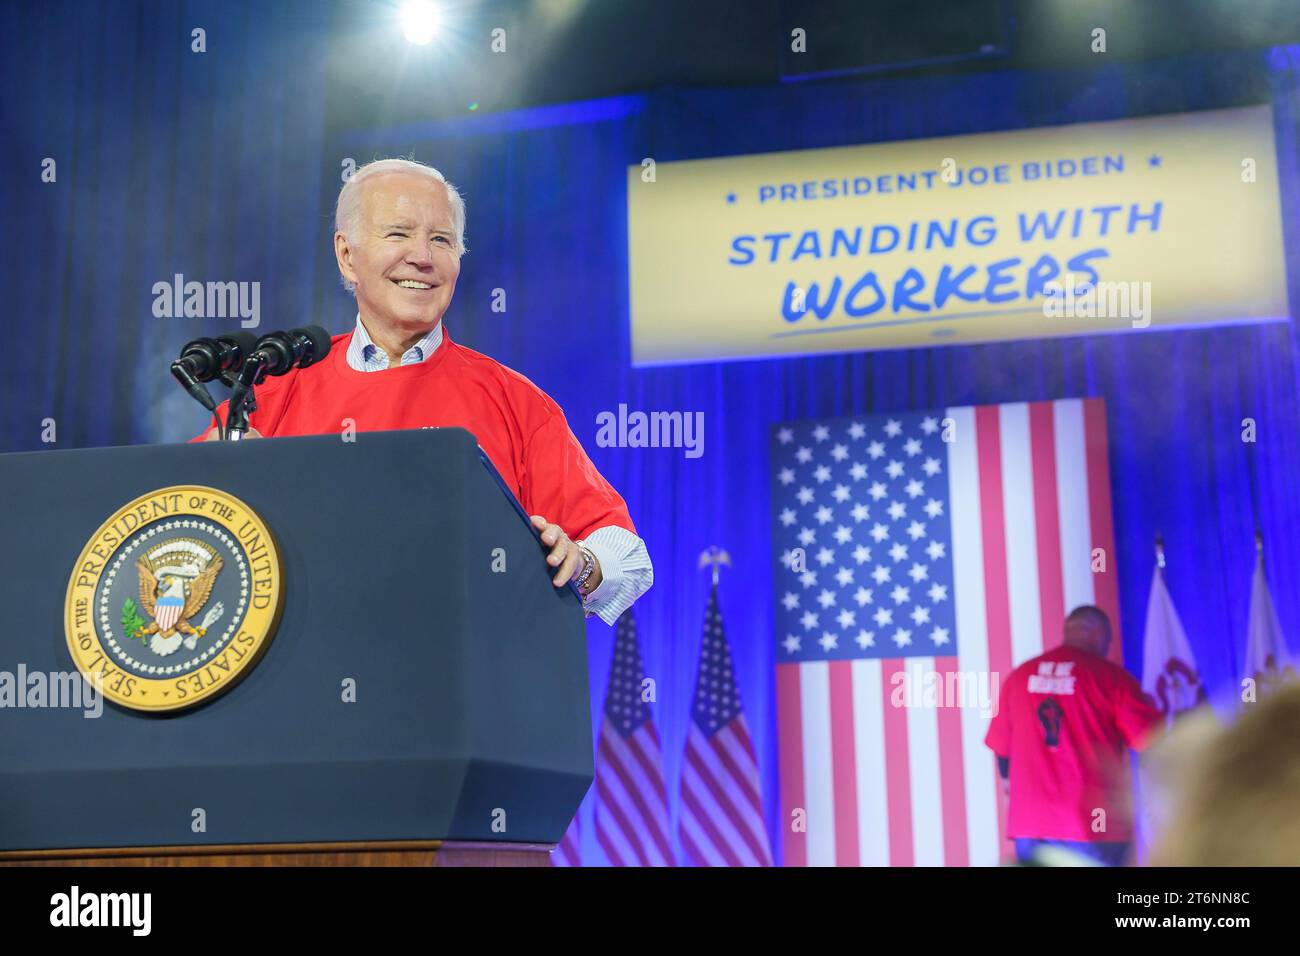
[(174, 598)]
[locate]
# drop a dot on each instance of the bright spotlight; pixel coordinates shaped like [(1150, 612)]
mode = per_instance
[(419, 21)]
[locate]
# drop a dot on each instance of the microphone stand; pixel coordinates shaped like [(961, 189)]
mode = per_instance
[(242, 400)]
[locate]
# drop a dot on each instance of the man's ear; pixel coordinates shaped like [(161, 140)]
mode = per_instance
[(343, 255)]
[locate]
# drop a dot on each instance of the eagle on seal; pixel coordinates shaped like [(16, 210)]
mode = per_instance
[(171, 603)]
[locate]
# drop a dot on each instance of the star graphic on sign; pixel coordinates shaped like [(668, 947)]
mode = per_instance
[(865, 640), (841, 493), (902, 638), (898, 552), (883, 616), (914, 489), (929, 424), (877, 491), (840, 452), (920, 615), (787, 517), (822, 473), (807, 536), (939, 635), (857, 430), (808, 578), (860, 512), (786, 476), (879, 532), (897, 510), (934, 508), (809, 620), (829, 641), (825, 556), (912, 447), (900, 594), (843, 535), (881, 574), (821, 433), (791, 644), (916, 530), (931, 467), (788, 558), (938, 592), (862, 596), (893, 428), (805, 495), (785, 435), (876, 449), (894, 469), (803, 455), (862, 554), (847, 618), (844, 577), (858, 471), (826, 598), (936, 550), (823, 514), (790, 600), (919, 573)]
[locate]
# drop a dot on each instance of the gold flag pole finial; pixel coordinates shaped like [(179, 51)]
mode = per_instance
[(1160, 550), (713, 555)]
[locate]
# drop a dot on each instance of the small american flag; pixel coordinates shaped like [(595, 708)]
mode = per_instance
[(923, 549), (631, 800), (569, 850), (721, 820)]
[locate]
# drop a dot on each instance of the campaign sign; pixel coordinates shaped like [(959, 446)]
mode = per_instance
[(1136, 225)]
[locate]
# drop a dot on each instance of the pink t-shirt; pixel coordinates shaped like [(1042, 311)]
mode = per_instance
[(1067, 719)]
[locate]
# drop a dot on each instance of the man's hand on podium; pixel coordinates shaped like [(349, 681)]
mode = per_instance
[(566, 557), (212, 434)]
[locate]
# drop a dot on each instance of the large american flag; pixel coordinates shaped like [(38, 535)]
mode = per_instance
[(631, 810), (721, 822), (948, 543)]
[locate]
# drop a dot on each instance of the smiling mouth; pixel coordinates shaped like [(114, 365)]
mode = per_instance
[(412, 284)]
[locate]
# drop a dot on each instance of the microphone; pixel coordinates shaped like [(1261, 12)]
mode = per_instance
[(206, 359), (276, 354), (282, 351)]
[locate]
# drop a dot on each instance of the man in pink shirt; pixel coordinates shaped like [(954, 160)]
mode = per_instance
[(1062, 734)]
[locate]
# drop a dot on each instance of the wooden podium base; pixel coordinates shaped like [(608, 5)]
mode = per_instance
[(389, 853)]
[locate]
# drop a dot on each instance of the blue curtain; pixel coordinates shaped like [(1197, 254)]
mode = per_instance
[(224, 166)]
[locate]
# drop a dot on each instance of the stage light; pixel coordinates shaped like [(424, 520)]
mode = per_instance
[(419, 21)]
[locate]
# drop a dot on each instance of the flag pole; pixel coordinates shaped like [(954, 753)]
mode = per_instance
[(714, 556)]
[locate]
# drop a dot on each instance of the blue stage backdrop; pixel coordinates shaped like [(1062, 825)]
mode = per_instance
[(223, 166)]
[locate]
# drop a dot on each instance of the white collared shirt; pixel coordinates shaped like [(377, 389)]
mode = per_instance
[(626, 571)]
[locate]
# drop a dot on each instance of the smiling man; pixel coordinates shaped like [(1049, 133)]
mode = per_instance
[(399, 239)]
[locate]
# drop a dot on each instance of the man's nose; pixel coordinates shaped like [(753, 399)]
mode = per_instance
[(420, 255)]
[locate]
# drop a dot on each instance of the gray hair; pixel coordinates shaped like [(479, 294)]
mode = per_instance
[(347, 211)]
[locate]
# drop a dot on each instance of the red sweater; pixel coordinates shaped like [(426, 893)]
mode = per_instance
[(520, 427)]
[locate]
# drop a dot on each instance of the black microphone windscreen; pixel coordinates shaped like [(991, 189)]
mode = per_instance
[(246, 342), (320, 343)]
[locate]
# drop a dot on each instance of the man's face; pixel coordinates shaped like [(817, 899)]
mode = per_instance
[(1089, 630), (405, 236)]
